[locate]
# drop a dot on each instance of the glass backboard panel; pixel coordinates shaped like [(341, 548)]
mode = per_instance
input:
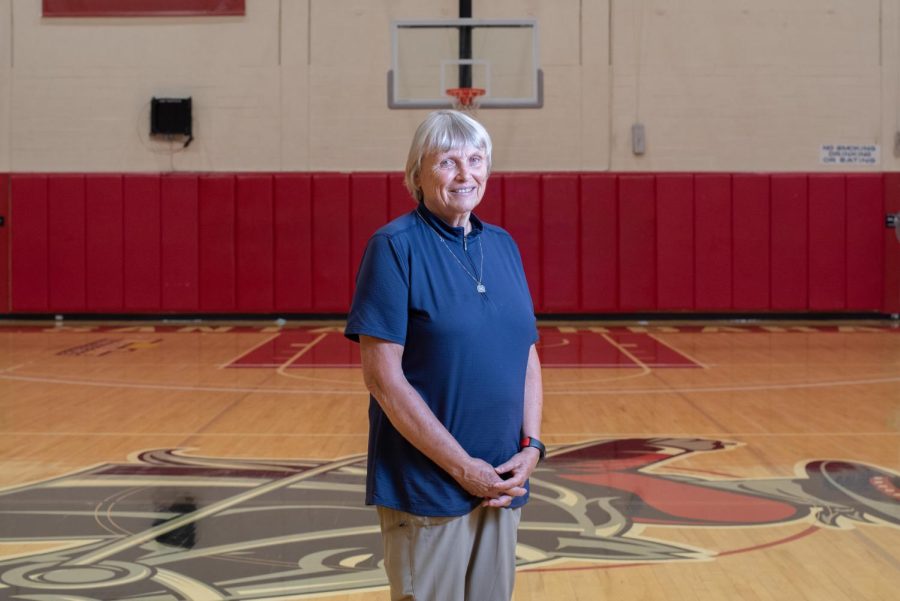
[(498, 56)]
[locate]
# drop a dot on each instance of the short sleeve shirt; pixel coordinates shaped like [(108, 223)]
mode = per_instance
[(464, 351)]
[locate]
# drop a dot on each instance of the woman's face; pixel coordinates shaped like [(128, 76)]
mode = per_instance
[(453, 182)]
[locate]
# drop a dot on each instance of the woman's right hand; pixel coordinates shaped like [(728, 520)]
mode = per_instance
[(480, 479)]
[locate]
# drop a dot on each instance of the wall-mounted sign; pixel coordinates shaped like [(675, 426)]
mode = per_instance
[(850, 154)]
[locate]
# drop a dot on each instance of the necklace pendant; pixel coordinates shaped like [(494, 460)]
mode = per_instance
[(480, 288)]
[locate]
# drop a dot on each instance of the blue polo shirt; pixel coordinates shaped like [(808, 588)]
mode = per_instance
[(465, 352)]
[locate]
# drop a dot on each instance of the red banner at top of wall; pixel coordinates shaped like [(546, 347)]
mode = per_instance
[(141, 8)]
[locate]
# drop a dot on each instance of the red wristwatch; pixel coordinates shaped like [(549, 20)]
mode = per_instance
[(531, 441)]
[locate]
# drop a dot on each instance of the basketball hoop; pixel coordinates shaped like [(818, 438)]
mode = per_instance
[(466, 99)]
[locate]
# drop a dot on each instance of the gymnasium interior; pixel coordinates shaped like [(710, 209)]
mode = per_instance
[(706, 198)]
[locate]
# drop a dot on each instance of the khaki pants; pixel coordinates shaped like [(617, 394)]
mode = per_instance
[(466, 558)]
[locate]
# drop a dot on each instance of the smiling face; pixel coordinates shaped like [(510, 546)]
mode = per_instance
[(453, 183)]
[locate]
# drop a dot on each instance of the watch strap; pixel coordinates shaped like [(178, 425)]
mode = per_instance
[(531, 441)]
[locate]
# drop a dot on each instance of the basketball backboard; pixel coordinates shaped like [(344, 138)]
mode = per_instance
[(433, 56)]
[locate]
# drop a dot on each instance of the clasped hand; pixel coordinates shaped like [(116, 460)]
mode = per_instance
[(499, 485)]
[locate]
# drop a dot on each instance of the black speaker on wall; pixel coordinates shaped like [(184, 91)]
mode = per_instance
[(171, 117)]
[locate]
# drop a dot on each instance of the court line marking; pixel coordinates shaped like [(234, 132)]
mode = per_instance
[(282, 371), (300, 376), (564, 342), (250, 350), (305, 349), (578, 435), (737, 388), (359, 389), (675, 350), (644, 369)]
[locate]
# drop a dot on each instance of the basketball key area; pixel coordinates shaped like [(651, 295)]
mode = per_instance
[(228, 459)]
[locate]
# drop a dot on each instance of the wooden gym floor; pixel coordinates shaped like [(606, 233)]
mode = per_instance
[(183, 460)]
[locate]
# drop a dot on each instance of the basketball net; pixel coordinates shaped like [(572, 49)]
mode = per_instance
[(466, 99)]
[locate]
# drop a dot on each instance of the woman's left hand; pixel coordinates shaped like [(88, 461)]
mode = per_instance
[(515, 472)]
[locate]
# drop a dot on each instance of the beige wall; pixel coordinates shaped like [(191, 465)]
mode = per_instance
[(82, 89), (5, 81), (750, 85), (300, 85)]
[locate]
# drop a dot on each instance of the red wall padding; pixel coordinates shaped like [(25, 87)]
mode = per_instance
[(599, 244), (369, 210), (4, 244), (104, 244), (217, 241), (179, 246), (142, 249), (712, 243), (400, 201), (891, 299), (827, 243), (66, 267), (522, 219), (675, 240), (637, 243), (255, 261), (789, 241), (865, 261), (331, 281), (590, 243), (491, 207), (30, 252), (561, 256), (293, 243), (751, 244)]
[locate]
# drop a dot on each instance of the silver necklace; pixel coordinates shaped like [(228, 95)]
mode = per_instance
[(479, 286)]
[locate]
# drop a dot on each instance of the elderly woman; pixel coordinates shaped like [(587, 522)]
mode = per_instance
[(447, 331)]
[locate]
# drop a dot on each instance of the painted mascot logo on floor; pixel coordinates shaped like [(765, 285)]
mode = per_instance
[(170, 526)]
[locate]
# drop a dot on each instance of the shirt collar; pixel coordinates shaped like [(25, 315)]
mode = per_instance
[(447, 230)]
